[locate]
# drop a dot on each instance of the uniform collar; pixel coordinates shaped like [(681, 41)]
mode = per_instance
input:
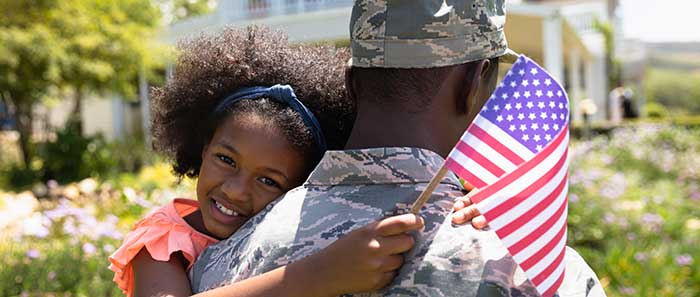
[(386, 165)]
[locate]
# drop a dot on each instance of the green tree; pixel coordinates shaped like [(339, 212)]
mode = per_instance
[(175, 10), (79, 45), (29, 63)]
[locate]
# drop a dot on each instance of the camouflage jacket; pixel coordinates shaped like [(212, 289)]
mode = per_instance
[(349, 189)]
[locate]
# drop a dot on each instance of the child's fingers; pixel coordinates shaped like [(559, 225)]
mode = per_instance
[(465, 215), (399, 224), (479, 222), (461, 203)]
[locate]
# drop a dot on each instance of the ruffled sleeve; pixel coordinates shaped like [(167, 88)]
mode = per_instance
[(162, 233)]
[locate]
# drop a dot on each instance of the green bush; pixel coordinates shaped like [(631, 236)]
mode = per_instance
[(678, 91), (72, 156), (655, 110)]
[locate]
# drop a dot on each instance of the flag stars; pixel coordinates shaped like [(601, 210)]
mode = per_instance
[(534, 126), (551, 104), (521, 72), (525, 83), (550, 94), (518, 106), (516, 95), (496, 107), (561, 116), (508, 107), (559, 93), (527, 94), (510, 72), (499, 118), (521, 116), (523, 127), (547, 137), (526, 137), (538, 93), (536, 82), (513, 84), (545, 127), (548, 82), (533, 71), (532, 116), (509, 118), (556, 127), (561, 105), (529, 104), (501, 85), (536, 138), (540, 105), (554, 116), (504, 96), (543, 115), (511, 128), (539, 147)]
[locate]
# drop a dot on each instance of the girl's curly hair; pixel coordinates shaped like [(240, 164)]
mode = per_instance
[(210, 67)]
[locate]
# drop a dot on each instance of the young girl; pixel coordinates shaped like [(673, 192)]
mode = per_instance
[(229, 118)]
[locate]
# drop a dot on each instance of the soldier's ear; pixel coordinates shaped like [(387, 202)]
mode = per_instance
[(349, 86), (474, 78)]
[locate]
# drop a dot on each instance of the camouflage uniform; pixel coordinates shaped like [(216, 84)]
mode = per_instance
[(427, 33), (352, 188)]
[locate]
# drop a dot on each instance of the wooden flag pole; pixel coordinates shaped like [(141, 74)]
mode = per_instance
[(434, 182)]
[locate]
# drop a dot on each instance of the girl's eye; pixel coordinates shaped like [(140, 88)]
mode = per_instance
[(226, 160), (269, 182)]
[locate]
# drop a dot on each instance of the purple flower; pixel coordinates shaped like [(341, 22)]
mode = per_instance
[(89, 248), (641, 257), (652, 219), (684, 260), (33, 254), (573, 198), (108, 248), (627, 291)]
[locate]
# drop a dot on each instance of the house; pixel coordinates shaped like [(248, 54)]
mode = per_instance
[(560, 34)]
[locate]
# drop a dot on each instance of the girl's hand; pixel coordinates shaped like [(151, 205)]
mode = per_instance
[(464, 211), (366, 259)]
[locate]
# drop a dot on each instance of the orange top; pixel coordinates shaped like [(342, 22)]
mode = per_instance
[(162, 233)]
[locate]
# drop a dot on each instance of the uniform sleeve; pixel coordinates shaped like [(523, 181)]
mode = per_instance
[(161, 237), (579, 279)]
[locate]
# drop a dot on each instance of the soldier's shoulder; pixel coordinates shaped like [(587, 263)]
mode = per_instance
[(579, 278)]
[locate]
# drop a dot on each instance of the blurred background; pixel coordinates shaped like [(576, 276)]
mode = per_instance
[(76, 169)]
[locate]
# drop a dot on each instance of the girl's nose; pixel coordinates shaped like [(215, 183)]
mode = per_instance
[(236, 188)]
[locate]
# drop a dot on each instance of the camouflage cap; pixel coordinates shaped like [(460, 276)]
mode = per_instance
[(426, 33)]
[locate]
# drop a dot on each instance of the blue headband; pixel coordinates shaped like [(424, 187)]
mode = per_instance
[(283, 94)]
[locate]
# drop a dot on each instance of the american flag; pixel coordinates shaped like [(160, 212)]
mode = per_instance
[(515, 153)]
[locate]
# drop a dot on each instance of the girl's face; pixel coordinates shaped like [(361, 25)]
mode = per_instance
[(247, 164)]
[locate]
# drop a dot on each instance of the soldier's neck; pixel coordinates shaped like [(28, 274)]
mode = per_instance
[(378, 128)]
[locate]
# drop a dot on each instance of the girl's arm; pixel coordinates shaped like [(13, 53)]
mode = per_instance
[(158, 278), (363, 260)]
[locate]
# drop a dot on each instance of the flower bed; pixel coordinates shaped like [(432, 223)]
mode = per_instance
[(633, 215)]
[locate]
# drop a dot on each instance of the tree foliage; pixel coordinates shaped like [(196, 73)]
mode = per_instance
[(72, 45)]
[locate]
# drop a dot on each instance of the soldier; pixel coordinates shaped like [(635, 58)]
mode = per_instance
[(420, 71)]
